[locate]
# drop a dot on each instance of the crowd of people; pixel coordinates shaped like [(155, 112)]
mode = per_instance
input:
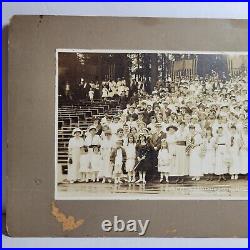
[(183, 130)]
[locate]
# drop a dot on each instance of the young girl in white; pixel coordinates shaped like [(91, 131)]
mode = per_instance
[(234, 152), (95, 163), (209, 158), (131, 155), (163, 161), (118, 159), (91, 95), (84, 164), (105, 93)]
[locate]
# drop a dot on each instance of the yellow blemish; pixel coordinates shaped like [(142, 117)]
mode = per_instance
[(69, 223)]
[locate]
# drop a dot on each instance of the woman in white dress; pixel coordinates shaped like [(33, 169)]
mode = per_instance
[(234, 152), (181, 162), (195, 142), (106, 148), (131, 156), (171, 141), (221, 163), (244, 151), (209, 158), (163, 161), (75, 143)]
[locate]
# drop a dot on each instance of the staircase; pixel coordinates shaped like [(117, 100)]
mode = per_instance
[(70, 117)]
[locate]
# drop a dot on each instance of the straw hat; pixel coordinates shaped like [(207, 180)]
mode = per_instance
[(173, 127), (75, 130)]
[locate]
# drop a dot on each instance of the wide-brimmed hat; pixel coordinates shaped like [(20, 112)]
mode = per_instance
[(76, 130), (173, 127)]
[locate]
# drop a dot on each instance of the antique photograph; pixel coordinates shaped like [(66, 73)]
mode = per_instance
[(151, 125)]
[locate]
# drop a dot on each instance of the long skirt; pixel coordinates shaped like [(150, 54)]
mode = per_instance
[(164, 168), (234, 167), (181, 161), (130, 164), (209, 162), (221, 163), (244, 161), (144, 165), (73, 169), (105, 168), (195, 162)]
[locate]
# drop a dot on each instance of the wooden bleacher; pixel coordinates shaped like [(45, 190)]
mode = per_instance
[(72, 116)]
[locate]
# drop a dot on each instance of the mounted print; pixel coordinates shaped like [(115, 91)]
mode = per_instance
[(127, 127)]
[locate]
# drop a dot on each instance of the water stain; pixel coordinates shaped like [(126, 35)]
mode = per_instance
[(69, 223)]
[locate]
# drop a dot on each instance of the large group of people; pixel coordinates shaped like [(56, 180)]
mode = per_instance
[(185, 130)]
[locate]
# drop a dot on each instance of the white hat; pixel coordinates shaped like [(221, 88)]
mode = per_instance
[(76, 130), (92, 127)]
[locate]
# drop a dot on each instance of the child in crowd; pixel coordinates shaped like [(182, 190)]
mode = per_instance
[(163, 161)]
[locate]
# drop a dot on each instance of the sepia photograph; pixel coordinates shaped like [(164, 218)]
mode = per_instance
[(151, 125)]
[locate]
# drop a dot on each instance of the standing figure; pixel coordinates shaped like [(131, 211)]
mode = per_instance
[(144, 152), (95, 162), (106, 148), (105, 93), (118, 159), (84, 164), (91, 95), (221, 165), (156, 141), (75, 143), (171, 141), (163, 161), (209, 158), (181, 161), (131, 155), (195, 142), (234, 152), (244, 151)]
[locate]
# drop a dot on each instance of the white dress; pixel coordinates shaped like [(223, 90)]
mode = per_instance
[(163, 161), (131, 154), (74, 150), (244, 154), (118, 162), (106, 147), (195, 157), (171, 140), (95, 162), (91, 95), (85, 163), (209, 158), (234, 153), (181, 161), (221, 165), (105, 92)]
